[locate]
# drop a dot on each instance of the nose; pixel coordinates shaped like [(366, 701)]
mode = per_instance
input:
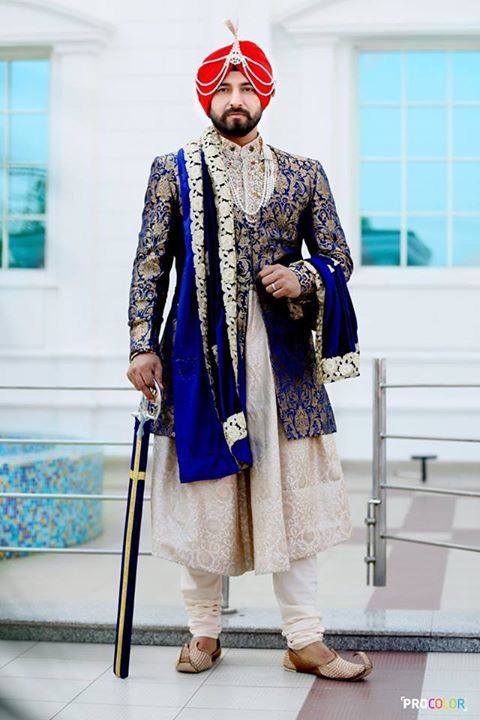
[(236, 100)]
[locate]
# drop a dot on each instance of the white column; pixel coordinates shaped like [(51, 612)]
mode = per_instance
[(72, 232), (317, 107)]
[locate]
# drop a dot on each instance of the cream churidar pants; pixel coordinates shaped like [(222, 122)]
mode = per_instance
[(295, 590)]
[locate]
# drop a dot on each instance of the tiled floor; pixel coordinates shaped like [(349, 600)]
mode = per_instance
[(71, 681)]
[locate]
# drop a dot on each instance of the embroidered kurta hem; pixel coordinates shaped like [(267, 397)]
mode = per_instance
[(292, 503)]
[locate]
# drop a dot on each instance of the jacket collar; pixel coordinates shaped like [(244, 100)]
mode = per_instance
[(254, 147)]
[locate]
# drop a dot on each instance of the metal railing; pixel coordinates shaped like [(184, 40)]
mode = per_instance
[(79, 496), (377, 534)]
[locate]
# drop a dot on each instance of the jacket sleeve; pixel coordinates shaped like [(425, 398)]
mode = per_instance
[(153, 258), (323, 234), (305, 273)]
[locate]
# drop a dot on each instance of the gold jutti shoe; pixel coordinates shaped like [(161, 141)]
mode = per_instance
[(336, 669), (192, 659)]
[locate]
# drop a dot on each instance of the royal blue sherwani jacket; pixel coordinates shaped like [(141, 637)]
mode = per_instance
[(301, 208)]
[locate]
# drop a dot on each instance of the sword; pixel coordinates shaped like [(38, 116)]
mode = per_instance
[(148, 410)]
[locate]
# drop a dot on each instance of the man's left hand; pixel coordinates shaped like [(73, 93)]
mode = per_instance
[(280, 281)]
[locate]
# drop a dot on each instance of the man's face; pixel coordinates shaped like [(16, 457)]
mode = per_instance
[(235, 93)]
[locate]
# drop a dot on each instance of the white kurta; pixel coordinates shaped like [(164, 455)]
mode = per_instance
[(291, 503)]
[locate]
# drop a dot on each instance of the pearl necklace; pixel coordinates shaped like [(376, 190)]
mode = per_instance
[(268, 186)]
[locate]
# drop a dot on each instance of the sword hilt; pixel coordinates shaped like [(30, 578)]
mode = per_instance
[(148, 409)]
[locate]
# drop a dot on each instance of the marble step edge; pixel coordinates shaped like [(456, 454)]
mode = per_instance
[(346, 629)]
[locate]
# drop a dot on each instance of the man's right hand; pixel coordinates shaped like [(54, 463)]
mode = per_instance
[(142, 371)]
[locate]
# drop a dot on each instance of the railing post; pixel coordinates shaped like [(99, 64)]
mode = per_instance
[(226, 610), (376, 510)]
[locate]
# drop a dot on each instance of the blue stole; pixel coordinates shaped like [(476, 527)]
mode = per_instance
[(202, 404), (205, 394), (339, 335)]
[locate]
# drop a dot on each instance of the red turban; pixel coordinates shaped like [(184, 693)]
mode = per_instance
[(242, 55)]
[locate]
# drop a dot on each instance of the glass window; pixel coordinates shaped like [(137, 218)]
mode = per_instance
[(3, 85), (426, 186), (29, 84), (28, 138), (466, 245), (419, 164), (466, 186), (426, 76), (2, 137), (426, 132), (26, 244), (24, 150), (426, 241), (380, 131), (380, 185), (380, 76), (465, 76), (466, 131), (380, 240), (26, 191)]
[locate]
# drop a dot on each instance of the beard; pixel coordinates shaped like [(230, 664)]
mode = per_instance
[(235, 125)]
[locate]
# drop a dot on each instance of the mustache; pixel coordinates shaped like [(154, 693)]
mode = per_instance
[(237, 112)]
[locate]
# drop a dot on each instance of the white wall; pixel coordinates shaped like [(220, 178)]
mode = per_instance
[(123, 92)]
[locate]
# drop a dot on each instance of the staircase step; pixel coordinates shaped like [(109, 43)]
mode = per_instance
[(346, 628)]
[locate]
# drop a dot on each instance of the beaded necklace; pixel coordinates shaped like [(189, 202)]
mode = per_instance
[(268, 186)]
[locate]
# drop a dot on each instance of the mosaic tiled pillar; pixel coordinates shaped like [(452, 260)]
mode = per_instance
[(49, 469)]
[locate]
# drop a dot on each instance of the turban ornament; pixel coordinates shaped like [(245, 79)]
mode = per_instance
[(241, 55)]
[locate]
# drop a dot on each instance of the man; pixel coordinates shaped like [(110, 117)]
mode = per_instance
[(246, 475)]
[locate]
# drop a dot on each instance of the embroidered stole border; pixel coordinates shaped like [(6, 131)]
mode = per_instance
[(234, 426), (339, 367)]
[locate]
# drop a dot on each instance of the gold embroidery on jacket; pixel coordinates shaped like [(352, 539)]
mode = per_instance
[(301, 192)]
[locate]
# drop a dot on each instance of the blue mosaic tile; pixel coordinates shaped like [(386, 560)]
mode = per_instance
[(49, 468)]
